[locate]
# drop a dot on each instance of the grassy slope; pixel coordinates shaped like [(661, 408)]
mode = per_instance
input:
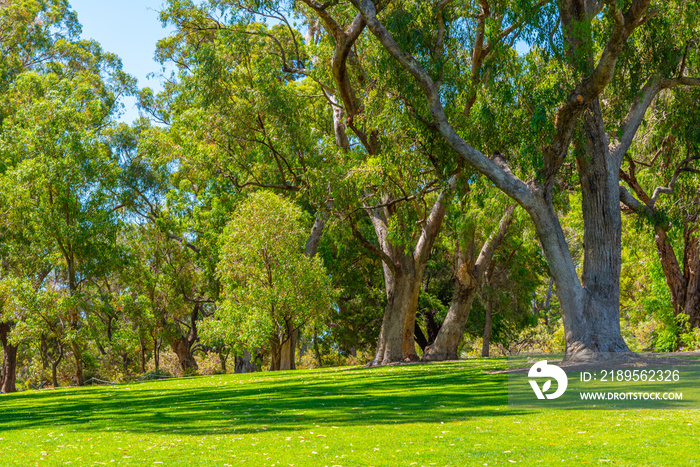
[(438, 414)]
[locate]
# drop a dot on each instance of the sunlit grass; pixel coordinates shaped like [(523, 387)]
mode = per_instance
[(437, 414)]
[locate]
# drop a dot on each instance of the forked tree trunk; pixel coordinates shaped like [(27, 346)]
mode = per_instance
[(182, 349), (403, 278), (54, 362), (469, 276), (9, 361), (400, 289), (223, 358)]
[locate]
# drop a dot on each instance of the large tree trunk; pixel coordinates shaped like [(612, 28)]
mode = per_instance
[(408, 341), (595, 329), (469, 275), (182, 349), (9, 361), (275, 353), (400, 288), (446, 345)]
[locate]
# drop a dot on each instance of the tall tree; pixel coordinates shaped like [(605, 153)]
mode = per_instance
[(661, 173), (594, 35), (470, 272), (58, 161)]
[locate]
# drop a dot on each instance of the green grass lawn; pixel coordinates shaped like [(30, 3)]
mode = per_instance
[(437, 414)]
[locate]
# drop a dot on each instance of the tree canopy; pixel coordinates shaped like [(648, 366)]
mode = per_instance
[(349, 182)]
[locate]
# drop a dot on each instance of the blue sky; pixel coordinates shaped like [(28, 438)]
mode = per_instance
[(130, 29)]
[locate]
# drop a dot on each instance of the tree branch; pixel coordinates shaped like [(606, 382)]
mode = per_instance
[(432, 226), (504, 179), (486, 254), (590, 87), (369, 246)]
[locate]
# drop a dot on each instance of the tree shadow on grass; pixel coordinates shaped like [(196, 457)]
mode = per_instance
[(269, 402)]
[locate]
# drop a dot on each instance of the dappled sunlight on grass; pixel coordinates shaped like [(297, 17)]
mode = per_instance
[(448, 413)]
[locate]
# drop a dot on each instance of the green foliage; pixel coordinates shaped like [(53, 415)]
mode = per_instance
[(269, 284), (658, 306)]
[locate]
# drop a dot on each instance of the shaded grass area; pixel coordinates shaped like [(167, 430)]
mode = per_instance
[(438, 414)]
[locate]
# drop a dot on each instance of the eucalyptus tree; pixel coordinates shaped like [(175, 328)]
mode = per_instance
[(661, 172), (57, 164), (173, 245), (508, 287), (470, 267), (581, 53), (24, 269), (163, 294), (271, 287), (256, 98), (31, 34)]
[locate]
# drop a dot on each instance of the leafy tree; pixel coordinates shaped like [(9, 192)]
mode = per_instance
[(593, 37), (471, 264), (57, 167), (666, 159), (271, 288)]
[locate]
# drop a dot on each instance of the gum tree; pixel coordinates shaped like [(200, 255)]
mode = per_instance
[(58, 165), (271, 288), (661, 175), (593, 35), (256, 99)]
